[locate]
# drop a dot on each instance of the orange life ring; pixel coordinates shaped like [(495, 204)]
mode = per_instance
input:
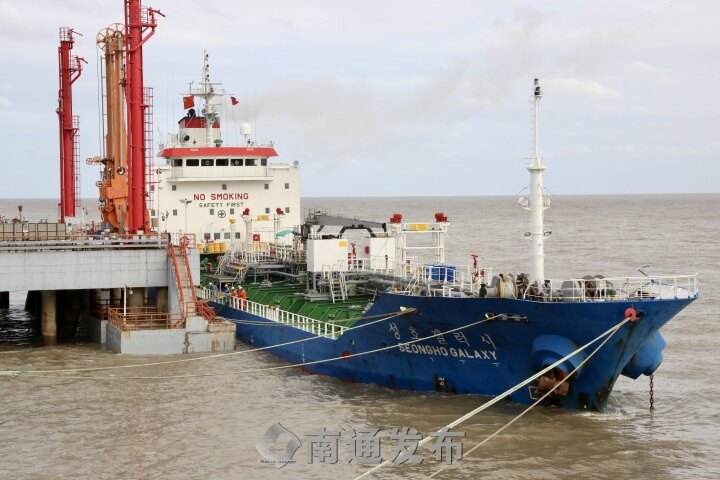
[(631, 314)]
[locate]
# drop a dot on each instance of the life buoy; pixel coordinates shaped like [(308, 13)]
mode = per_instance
[(631, 314)]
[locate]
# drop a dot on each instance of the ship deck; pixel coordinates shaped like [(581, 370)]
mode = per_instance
[(292, 298)]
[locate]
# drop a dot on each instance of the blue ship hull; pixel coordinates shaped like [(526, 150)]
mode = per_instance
[(485, 359)]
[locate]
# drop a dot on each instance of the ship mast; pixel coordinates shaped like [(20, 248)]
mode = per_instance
[(208, 91), (536, 201)]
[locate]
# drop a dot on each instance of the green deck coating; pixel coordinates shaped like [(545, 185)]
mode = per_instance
[(290, 298)]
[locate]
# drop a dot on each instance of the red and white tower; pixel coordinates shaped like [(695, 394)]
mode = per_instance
[(70, 70)]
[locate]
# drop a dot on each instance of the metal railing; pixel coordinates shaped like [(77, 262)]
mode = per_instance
[(275, 314), (143, 318), (180, 238), (416, 277), (178, 281), (99, 308), (84, 242), (615, 289), (205, 311)]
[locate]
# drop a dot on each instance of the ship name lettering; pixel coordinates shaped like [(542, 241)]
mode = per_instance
[(434, 350)]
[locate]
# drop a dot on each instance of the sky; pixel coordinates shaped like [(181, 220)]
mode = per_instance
[(400, 97)]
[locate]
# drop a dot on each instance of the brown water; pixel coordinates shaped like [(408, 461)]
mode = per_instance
[(207, 427)]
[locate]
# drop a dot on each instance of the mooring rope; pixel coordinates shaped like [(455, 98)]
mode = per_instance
[(22, 374), (537, 402), (499, 397), (5, 352), (207, 357)]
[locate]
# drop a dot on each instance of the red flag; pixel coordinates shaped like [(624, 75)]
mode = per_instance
[(188, 102), (234, 100)]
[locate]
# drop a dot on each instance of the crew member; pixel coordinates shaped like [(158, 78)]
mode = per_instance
[(243, 297)]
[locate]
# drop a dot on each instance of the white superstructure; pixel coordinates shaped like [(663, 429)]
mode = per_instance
[(221, 194)]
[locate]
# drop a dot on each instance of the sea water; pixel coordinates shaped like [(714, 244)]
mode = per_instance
[(208, 427)]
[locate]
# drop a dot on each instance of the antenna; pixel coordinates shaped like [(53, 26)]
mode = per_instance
[(254, 114), (208, 90)]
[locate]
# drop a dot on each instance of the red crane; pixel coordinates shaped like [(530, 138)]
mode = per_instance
[(70, 70), (140, 25)]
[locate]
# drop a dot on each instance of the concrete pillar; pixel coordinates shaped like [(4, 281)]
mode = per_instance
[(136, 299), (48, 317), (4, 299), (162, 299), (116, 297)]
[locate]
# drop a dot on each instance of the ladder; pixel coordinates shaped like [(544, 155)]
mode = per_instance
[(338, 286), (183, 277)]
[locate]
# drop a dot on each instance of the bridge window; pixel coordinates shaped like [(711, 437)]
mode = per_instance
[(208, 162), (263, 162), (237, 162), (251, 162), (216, 236), (177, 162), (192, 162), (221, 162)]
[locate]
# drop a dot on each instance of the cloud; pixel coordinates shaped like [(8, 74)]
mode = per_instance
[(625, 109), (660, 75), (585, 88), (5, 102)]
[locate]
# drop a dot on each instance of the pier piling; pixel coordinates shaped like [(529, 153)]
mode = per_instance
[(48, 317)]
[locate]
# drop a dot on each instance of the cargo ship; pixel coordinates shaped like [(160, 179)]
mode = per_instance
[(376, 302)]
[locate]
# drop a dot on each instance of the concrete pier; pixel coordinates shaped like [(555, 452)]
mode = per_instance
[(48, 315), (197, 337), (126, 286)]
